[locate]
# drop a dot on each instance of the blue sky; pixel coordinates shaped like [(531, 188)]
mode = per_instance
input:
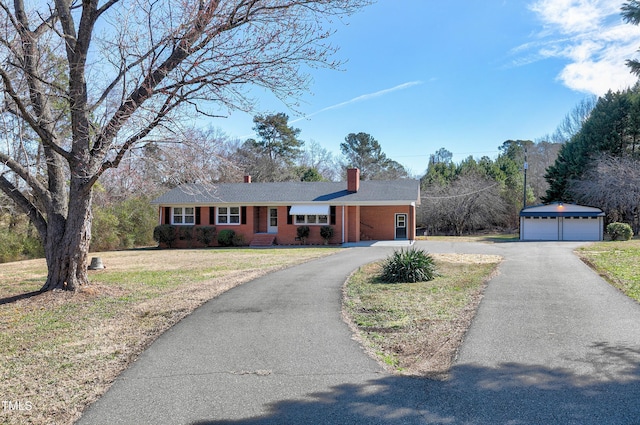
[(425, 74)]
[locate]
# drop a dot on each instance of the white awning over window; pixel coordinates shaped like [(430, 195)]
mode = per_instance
[(309, 210)]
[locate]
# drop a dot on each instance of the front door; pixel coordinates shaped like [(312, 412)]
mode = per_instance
[(272, 224), (401, 226)]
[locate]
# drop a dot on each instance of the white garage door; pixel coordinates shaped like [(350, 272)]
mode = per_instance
[(540, 229), (581, 229)]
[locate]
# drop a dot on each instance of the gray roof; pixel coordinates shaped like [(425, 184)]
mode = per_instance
[(560, 209), (372, 192)]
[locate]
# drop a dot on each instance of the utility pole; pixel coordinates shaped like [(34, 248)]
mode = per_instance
[(526, 166)]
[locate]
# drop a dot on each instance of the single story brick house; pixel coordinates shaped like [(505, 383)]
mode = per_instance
[(270, 213)]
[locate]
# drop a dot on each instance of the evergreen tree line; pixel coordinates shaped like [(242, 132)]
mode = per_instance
[(483, 194), (600, 165)]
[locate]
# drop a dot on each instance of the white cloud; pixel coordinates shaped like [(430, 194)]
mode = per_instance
[(591, 36), (595, 77), (569, 16)]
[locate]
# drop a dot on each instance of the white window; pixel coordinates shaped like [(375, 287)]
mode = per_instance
[(312, 219), (228, 215), (183, 215)]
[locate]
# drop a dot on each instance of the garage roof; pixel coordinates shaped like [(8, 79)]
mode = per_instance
[(560, 209)]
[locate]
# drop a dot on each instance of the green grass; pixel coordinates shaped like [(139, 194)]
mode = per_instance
[(406, 325), (618, 262)]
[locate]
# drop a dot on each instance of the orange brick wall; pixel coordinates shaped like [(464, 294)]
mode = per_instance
[(287, 233), (353, 224), (378, 223), (246, 231)]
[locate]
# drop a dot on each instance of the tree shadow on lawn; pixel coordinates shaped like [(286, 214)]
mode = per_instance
[(508, 394), (500, 239), (14, 298)]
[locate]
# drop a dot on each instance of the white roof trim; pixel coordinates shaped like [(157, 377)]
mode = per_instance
[(309, 209)]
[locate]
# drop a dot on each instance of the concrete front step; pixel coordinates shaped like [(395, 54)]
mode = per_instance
[(263, 239)]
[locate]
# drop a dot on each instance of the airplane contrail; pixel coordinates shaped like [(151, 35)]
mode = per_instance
[(361, 98)]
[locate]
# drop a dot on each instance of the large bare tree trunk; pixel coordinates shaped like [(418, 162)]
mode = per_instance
[(67, 245), (180, 57)]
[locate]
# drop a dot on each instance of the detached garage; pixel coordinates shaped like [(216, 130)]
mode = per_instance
[(561, 222)]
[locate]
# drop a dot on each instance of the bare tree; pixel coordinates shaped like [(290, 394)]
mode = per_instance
[(540, 156), (91, 80), (316, 157), (192, 156), (612, 184), (470, 202), (196, 156), (572, 122)]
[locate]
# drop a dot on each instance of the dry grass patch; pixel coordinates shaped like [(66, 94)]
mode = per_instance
[(416, 328), (61, 350)]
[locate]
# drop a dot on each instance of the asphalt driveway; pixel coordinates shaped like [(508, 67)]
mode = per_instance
[(551, 343)]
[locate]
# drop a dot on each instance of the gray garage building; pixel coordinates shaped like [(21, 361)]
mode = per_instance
[(561, 222)]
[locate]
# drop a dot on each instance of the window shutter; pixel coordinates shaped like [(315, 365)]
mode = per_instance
[(333, 215), (212, 215), (243, 215), (167, 215), (197, 216), (289, 218)]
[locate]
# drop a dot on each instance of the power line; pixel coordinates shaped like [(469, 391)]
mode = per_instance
[(459, 196)]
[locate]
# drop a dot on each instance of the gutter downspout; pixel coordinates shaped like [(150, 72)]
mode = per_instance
[(412, 216), (343, 224)]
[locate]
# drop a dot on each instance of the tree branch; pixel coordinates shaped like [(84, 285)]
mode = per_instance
[(123, 72), (146, 89), (105, 7), (44, 124), (68, 27), (41, 131), (23, 172), (169, 105), (27, 206)]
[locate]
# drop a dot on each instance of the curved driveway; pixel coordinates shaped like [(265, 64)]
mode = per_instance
[(552, 343)]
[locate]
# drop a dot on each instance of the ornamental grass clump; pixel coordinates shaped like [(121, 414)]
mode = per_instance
[(409, 266)]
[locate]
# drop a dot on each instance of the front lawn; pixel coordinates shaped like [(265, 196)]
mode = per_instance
[(61, 350), (616, 261), (416, 328)]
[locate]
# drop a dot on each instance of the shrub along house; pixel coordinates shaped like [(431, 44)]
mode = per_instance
[(270, 213)]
